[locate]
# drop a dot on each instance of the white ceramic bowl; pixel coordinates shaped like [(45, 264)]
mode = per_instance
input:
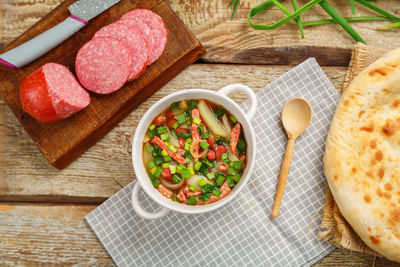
[(143, 180)]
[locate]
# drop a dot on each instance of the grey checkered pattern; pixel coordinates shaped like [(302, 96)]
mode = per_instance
[(240, 233)]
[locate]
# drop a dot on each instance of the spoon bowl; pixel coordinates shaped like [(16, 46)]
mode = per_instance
[(296, 116)]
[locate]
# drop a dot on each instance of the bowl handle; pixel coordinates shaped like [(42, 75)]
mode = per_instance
[(237, 87), (139, 209)]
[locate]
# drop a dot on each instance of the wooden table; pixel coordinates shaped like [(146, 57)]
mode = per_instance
[(42, 209)]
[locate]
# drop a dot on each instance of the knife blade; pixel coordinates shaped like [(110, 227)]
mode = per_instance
[(81, 11)]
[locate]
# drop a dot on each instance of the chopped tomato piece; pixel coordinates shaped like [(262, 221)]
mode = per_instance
[(234, 138), (166, 174), (210, 155), (171, 123), (170, 115), (164, 191), (219, 150), (160, 120), (181, 130), (156, 140), (181, 142)]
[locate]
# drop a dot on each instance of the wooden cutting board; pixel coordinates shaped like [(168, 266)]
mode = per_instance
[(64, 141)]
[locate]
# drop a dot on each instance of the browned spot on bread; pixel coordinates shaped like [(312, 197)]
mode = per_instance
[(369, 229), (375, 240), (370, 173), (387, 195), (385, 90), (379, 192), (382, 215), (388, 187), (392, 204), (396, 103), (378, 155), (390, 127), (335, 177), (354, 170), (373, 144), (352, 97), (397, 235), (369, 128), (367, 198), (395, 215), (381, 172), (378, 71), (346, 102), (360, 113)]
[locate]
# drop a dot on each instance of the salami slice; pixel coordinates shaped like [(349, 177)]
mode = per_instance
[(133, 37), (153, 29), (52, 93), (103, 65)]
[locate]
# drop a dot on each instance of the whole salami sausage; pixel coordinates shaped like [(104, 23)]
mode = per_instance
[(103, 64), (133, 37), (153, 29), (52, 93)]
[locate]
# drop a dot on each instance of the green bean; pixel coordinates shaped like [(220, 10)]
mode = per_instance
[(341, 21)]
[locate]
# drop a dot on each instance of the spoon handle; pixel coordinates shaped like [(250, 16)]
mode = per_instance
[(283, 177)]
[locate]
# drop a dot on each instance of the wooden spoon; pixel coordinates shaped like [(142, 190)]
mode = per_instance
[(296, 116)]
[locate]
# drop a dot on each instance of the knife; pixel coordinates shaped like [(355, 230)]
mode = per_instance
[(81, 12)]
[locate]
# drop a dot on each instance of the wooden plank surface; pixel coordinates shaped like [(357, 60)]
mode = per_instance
[(65, 140), (233, 41), (52, 234), (100, 171)]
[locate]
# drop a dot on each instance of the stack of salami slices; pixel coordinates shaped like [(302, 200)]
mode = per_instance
[(120, 52), (117, 53)]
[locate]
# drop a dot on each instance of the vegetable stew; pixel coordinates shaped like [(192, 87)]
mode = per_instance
[(195, 152)]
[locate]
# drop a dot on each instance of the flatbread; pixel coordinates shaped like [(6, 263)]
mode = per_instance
[(362, 155)]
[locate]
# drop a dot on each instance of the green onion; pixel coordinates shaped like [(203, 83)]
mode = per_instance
[(390, 26), (237, 177), (152, 127), (165, 165), (153, 170), (151, 164), (179, 168), (188, 155), (175, 198), (150, 133), (298, 19), (176, 178), (204, 145), (212, 163), (237, 164), (157, 173), (201, 182), (192, 104), (176, 124), (184, 135), (158, 160), (224, 156), (205, 197), (205, 161), (187, 112), (188, 141), (205, 135), (172, 148), (187, 146), (216, 192), (192, 200), (155, 183), (210, 175), (203, 169), (149, 148), (220, 112), (232, 171), (233, 119), (229, 179), (220, 180), (181, 118), (241, 146), (200, 129), (161, 130), (172, 168), (197, 165), (192, 188), (163, 137), (208, 188), (191, 170), (378, 10), (353, 10), (173, 133), (164, 153), (175, 106), (197, 121), (351, 19), (341, 21), (167, 159), (185, 173)]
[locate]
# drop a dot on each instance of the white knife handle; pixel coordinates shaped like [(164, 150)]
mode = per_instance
[(36, 47)]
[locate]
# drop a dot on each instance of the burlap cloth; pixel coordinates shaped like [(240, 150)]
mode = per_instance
[(334, 227)]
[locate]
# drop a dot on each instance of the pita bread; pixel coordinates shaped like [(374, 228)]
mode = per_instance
[(362, 155)]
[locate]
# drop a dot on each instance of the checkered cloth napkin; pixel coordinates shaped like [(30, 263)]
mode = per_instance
[(242, 232)]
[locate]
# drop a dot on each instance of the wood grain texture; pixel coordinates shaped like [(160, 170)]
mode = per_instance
[(101, 171), (64, 141), (52, 234), (234, 41)]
